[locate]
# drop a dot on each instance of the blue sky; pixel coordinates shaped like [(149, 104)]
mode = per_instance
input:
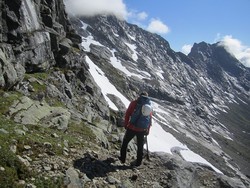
[(190, 21), (182, 22)]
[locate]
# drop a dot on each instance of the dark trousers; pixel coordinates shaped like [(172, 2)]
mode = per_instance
[(129, 135)]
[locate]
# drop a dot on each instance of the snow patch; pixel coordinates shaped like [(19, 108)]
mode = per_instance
[(159, 73), (134, 52), (132, 37), (162, 141), (117, 64), (106, 86), (86, 41), (190, 156)]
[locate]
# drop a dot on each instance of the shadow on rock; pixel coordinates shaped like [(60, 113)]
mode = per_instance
[(93, 167)]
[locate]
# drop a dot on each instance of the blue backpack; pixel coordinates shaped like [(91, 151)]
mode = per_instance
[(141, 116)]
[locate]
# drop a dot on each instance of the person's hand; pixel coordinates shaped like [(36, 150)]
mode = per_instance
[(146, 132)]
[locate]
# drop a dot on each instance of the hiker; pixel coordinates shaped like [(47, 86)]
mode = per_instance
[(137, 123)]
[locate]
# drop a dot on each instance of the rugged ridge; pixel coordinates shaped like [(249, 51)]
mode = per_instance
[(56, 128), (204, 83)]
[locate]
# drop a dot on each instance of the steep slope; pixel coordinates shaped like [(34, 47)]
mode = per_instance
[(233, 78), (190, 90)]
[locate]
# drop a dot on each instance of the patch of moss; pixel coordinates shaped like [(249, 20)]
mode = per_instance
[(39, 75), (81, 131), (14, 169), (37, 85), (7, 99), (35, 136), (54, 102), (42, 182)]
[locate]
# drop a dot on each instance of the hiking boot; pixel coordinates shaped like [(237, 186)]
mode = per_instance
[(121, 160), (135, 164)]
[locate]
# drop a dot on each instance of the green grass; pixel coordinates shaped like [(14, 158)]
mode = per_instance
[(40, 88), (40, 76), (42, 182), (77, 136), (14, 170), (7, 99), (35, 137)]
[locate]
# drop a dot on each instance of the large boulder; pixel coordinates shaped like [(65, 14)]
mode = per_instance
[(29, 112)]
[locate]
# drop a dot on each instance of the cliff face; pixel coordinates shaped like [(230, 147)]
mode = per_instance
[(33, 34), (36, 37), (56, 120)]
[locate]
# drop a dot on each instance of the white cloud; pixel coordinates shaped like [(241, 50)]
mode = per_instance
[(186, 48), (217, 38), (136, 17), (157, 26), (142, 16), (235, 47), (96, 7)]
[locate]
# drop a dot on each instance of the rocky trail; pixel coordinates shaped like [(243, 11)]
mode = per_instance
[(95, 166), (96, 169)]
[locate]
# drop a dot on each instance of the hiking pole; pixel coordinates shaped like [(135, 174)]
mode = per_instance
[(147, 155)]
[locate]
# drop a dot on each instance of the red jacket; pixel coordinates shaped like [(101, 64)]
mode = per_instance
[(128, 114)]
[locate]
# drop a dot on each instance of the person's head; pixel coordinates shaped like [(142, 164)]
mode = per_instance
[(144, 93)]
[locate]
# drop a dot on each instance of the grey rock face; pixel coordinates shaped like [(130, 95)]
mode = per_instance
[(36, 36), (37, 33), (27, 111), (11, 72)]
